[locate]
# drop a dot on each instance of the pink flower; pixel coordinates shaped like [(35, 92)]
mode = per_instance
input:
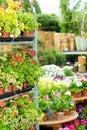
[(84, 122), (66, 128), (60, 128), (72, 127), (77, 123)]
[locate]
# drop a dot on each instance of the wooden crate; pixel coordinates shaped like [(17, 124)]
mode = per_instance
[(48, 44), (42, 35), (50, 36)]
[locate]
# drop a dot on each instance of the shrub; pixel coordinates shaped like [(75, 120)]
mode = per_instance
[(48, 22)]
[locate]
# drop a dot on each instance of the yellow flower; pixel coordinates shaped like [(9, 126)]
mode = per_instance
[(12, 4)]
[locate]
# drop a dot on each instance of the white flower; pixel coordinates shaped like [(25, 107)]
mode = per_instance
[(67, 93)]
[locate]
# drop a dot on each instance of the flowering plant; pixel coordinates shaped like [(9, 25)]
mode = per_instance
[(52, 71), (65, 128), (61, 102), (75, 84), (19, 67), (20, 113)]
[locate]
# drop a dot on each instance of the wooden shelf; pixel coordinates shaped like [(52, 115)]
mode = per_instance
[(81, 98), (58, 123), (74, 52)]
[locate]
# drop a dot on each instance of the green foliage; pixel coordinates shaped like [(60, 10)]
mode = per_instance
[(81, 127), (48, 22), (37, 7), (73, 87), (84, 112), (68, 72), (71, 18), (84, 84), (51, 56)]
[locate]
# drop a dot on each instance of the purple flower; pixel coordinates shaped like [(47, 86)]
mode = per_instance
[(56, 93), (81, 116), (80, 108), (46, 97)]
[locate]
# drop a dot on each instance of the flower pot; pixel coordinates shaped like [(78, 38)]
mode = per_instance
[(83, 44), (31, 128), (84, 92), (2, 90), (67, 112), (6, 34), (77, 41), (75, 94), (25, 85), (15, 88), (9, 89), (28, 34), (59, 115)]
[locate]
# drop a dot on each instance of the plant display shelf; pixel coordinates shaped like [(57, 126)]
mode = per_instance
[(80, 99), (58, 123), (74, 52), (10, 95), (18, 39)]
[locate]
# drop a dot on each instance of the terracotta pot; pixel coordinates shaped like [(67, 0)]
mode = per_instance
[(67, 112), (9, 89), (15, 88), (31, 129), (84, 92), (25, 85), (6, 35), (59, 115), (75, 94), (28, 34), (2, 90)]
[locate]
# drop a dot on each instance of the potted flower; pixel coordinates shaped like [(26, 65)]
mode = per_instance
[(26, 22), (84, 86), (75, 87), (22, 116), (19, 67)]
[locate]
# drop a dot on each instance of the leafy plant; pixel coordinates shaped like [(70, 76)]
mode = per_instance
[(68, 71), (75, 84), (26, 21), (46, 20), (51, 56), (71, 18)]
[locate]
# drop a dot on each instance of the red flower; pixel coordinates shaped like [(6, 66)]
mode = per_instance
[(14, 59), (20, 58), (32, 62), (25, 50), (2, 104), (32, 53)]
